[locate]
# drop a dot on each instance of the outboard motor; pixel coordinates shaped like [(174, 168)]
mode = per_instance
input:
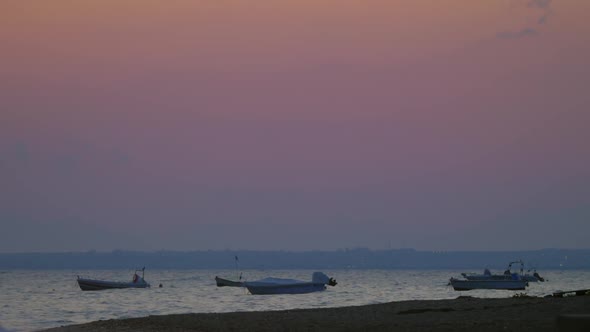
[(322, 278)]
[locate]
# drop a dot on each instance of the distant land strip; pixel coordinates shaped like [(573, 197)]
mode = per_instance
[(358, 258)]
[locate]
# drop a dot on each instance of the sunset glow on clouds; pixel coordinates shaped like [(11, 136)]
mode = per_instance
[(294, 124)]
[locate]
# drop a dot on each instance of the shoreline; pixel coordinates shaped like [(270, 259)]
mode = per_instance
[(461, 314)]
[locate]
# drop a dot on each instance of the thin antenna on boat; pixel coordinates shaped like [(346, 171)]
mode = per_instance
[(237, 261)]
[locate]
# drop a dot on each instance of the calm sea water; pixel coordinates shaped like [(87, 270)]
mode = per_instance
[(31, 300)]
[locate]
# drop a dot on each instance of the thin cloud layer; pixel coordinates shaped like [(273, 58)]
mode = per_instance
[(544, 6), (526, 32), (539, 3)]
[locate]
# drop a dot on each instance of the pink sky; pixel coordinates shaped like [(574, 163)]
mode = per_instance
[(442, 125)]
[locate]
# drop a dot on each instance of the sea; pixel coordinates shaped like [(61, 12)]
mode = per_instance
[(37, 299)]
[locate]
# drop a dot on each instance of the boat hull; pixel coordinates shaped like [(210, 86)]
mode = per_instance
[(93, 285), (228, 283), (271, 289), (481, 277), (465, 285)]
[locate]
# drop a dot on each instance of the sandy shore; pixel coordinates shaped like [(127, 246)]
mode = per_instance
[(461, 314)]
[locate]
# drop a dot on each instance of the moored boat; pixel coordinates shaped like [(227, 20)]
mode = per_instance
[(269, 286), (507, 275), (87, 284), (228, 283)]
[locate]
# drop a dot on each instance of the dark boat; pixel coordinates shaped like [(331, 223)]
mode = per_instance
[(228, 283), (268, 286), (94, 284)]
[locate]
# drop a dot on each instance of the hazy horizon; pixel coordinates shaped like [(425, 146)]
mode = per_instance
[(294, 125), (242, 250), (355, 258)]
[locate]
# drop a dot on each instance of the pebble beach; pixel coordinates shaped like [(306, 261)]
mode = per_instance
[(462, 314)]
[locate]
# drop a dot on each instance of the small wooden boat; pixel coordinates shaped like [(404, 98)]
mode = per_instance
[(94, 284), (281, 286), (507, 284), (228, 283), (269, 286)]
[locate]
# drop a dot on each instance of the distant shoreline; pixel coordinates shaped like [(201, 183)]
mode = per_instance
[(461, 314), (359, 258)]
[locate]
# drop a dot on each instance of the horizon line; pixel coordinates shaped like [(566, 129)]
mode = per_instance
[(93, 251)]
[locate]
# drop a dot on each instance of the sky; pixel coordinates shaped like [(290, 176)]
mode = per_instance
[(294, 125)]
